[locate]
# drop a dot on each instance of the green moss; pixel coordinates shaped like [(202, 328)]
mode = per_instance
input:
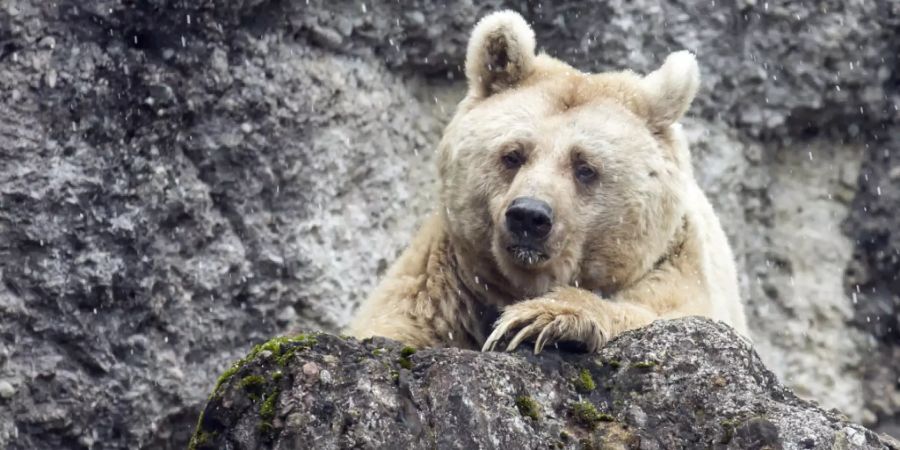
[(377, 352), (284, 348), (564, 436), (528, 407), (276, 349), (253, 385), (267, 412), (587, 414), (614, 363), (728, 423), (267, 409), (285, 357), (728, 428), (201, 439), (404, 360), (584, 382), (644, 365), (281, 348), (395, 376), (226, 375), (252, 382)]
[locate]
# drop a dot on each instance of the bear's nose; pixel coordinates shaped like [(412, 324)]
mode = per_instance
[(529, 217)]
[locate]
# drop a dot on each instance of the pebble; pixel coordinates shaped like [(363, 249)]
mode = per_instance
[(310, 369), (327, 37), (6, 389)]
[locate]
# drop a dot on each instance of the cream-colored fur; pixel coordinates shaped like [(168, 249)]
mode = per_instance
[(633, 237)]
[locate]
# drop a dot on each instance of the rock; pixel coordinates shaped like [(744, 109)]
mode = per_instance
[(6, 389), (167, 221), (873, 278), (705, 388)]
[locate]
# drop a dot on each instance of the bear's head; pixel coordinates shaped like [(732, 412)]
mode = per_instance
[(555, 177)]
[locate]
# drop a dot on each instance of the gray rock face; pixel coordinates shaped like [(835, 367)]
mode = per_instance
[(688, 383), (873, 277), (180, 180), (172, 198)]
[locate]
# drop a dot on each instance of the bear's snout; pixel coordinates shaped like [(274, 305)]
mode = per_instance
[(529, 219)]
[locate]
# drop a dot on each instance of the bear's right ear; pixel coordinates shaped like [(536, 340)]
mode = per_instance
[(500, 53)]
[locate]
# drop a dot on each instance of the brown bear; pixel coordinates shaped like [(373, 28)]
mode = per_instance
[(568, 209)]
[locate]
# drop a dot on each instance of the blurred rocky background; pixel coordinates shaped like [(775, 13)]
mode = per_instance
[(182, 179)]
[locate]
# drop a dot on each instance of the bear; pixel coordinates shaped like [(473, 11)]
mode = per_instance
[(568, 211)]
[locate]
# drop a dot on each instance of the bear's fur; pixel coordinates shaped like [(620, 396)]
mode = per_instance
[(632, 238)]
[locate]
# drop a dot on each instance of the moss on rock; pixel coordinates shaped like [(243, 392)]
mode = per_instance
[(201, 439), (528, 407), (588, 415), (644, 365), (404, 360), (584, 382), (252, 382), (267, 411), (281, 348)]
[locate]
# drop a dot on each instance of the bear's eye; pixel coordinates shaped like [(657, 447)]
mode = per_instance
[(585, 173), (513, 159)]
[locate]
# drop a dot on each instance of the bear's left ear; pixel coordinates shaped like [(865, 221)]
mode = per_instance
[(671, 88), (500, 53)]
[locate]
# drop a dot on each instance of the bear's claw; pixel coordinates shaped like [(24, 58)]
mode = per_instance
[(549, 321)]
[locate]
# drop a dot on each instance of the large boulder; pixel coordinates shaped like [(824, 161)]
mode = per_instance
[(687, 383)]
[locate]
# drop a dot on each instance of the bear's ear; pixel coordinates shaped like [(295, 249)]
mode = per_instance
[(671, 88), (500, 53)]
